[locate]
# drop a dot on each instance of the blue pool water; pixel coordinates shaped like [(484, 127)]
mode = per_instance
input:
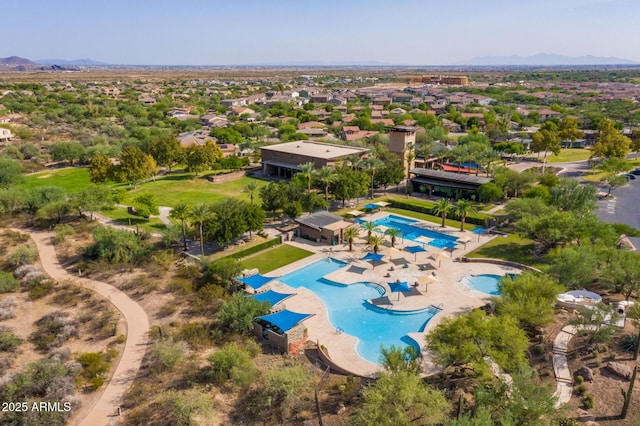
[(485, 283), (411, 232), (349, 312)]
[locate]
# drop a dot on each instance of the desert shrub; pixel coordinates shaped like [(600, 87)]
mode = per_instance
[(7, 308), (188, 270), (39, 286), (62, 231), (180, 286), (23, 255), (579, 380), (629, 342), (167, 309), (141, 284), (186, 407), (581, 389), (195, 334), (163, 258), (105, 325), (237, 314), (116, 246), (9, 341), (565, 421), (232, 363), (168, 353), (8, 283), (589, 402), (53, 329), (22, 271), (94, 368)]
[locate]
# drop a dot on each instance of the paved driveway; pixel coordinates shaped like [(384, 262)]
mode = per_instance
[(623, 207)]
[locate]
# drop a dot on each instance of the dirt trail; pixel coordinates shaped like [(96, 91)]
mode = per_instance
[(104, 410)]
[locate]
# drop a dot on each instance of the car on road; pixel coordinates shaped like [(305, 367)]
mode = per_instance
[(629, 176), (636, 171)]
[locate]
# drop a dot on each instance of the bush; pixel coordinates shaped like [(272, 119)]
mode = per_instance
[(168, 353), (7, 308), (23, 255), (39, 286), (232, 363), (195, 334), (9, 341), (8, 283), (115, 246), (62, 232), (94, 368), (623, 228), (629, 342), (52, 330), (589, 402), (579, 380), (581, 389), (565, 421)]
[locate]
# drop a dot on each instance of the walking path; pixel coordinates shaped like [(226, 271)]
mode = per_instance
[(104, 410), (564, 380)]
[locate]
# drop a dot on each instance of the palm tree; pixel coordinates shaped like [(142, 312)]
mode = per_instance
[(442, 208), (369, 227), (372, 165), (393, 233), (199, 215), (462, 209), (307, 170), (354, 160), (181, 211), (326, 175), (351, 234), (411, 155), (375, 241), (251, 189)]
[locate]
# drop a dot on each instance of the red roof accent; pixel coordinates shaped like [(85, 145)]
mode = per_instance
[(455, 169)]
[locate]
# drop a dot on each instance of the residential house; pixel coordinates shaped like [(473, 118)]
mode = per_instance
[(398, 111), (401, 97), (382, 100), (320, 98), (337, 100), (110, 91), (546, 114), (233, 102), (147, 99), (241, 110), (451, 126), (214, 120), (196, 137)]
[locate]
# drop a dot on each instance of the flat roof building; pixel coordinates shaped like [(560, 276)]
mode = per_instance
[(284, 159), (446, 184), (323, 227)]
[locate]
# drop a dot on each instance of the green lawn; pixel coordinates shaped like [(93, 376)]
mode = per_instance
[(512, 247), (72, 180), (568, 155), (122, 217), (168, 190), (274, 258)]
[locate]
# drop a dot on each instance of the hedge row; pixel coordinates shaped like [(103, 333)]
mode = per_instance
[(414, 207), (251, 250)]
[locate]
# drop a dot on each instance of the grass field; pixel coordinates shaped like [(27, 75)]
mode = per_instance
[(512, 247), (122, 217), (168, 190), (274, 258), (568, 155)]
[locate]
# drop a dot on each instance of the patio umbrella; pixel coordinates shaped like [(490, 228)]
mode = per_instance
[(440, 256), (399, 287), (373, 258), (426, 280), (464, 240), (355, 213), (415, 250), (424, 240), (382, 203)]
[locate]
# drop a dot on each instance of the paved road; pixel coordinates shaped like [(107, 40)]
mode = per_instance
[(624, 206), (103, 411)]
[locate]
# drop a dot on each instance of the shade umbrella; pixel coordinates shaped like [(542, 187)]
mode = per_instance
[(440, 256), (464, 240), (427, 279), (424, 240), (399, 287), (415, 250), (373, 257), (382, 203), (355, 213)]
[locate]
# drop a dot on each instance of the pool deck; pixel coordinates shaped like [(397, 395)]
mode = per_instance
[(450, 294)]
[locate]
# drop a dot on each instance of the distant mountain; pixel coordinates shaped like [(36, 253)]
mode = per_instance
[(15, 61), (76, 62), (324, 63), (546, 59)]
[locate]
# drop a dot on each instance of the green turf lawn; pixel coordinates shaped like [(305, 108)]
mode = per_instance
[(568, 155), (72, 180), (512, 247), (168, 190), (274, 258), (122, 217)]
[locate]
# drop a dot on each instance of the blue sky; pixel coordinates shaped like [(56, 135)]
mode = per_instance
[(425, 32)]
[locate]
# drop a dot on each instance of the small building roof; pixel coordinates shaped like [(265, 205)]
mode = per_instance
[(319, 220), (315, 149), (450, 177)]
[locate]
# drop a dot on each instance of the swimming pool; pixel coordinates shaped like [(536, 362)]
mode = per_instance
[(411, 232), (484, 283), (349, 312)]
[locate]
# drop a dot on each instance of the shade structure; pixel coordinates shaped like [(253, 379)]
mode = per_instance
[(463, 240), (255, 281), (373, 258), (426, 280), (399, 287), (478, 230), (382, 204), (441, 256), (355, 213), (272, 297), (285, 320), (372, 206), (415, 250), (424, 240)]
